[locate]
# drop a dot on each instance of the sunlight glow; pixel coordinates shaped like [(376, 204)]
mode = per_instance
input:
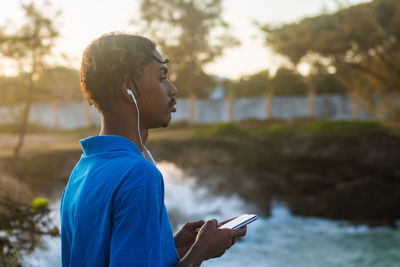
[(83, 21)]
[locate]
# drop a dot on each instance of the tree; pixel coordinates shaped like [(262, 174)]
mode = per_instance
[(288, 82), (29, 47), (59, 84), (11, 95), (325, 83), (22, 225), (361, 43), (185, 32), (250, 85)]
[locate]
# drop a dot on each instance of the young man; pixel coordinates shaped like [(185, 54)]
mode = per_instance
[(112, 210)]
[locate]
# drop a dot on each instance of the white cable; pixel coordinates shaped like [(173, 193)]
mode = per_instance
[(148, 154)]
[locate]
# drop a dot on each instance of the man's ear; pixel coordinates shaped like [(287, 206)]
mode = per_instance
[(127, 84)]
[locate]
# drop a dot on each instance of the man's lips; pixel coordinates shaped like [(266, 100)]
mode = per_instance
[(172, 105)]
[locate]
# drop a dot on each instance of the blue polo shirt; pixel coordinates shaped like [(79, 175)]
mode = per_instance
[(112, 210)]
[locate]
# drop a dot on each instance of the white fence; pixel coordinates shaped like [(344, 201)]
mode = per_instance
[(330, 107)]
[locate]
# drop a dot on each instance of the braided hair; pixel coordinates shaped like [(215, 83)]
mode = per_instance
[(106, 62)]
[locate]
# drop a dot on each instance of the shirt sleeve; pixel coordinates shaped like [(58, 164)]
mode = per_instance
[(136, 234)]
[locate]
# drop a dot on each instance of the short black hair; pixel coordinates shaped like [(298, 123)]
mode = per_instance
[(106, 62)]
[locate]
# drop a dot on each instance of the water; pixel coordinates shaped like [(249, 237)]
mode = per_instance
[(280, 240)]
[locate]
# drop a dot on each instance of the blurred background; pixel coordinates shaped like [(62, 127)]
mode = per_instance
[(288, 109)]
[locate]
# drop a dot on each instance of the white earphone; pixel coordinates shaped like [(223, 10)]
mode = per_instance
[(129, 91), (149, 156)]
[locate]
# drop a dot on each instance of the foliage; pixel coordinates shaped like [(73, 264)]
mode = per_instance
[(21, 226), (285, 82), (28, 46), (10, 90), (277, 129), (32, 42), (288, 82), (325, 83), (360, 43), (185, 30), (251, 85), (324, 128), (226, 129), (39, 204), (59, 84), (343, 127), (54, 84)]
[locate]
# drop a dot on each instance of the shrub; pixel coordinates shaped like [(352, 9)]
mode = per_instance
[(226, 129), (22, 221), (324, 128), (342, 127), (39, 204), (278, 129), (21, 227)]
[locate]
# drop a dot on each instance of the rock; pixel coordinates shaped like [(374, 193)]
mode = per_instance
[(340, 177)]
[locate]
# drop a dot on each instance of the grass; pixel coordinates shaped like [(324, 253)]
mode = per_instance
[(326, 128), (226, 129), (40, 139)]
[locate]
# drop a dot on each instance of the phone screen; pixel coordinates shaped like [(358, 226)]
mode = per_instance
[(240, 221)]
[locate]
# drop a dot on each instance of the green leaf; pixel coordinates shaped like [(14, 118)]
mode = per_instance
[(39, 204)]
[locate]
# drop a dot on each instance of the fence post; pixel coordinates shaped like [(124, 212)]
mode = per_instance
[(311, 102), (355, 103), (192, 108), (268, 101), (230, 107), (380, 112)]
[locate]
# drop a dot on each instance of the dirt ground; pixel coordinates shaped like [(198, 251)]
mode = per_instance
[(37, 142)]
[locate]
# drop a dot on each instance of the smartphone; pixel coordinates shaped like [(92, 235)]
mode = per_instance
[(240, 221)]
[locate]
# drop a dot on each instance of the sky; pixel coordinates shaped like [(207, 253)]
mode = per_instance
[(82, 21)]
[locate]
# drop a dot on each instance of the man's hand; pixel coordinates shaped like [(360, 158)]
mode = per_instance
[(224, 222), (185, 237), (214, 242), (210, 242)]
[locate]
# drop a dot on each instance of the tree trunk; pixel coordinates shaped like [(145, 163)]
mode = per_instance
[(24, 123)]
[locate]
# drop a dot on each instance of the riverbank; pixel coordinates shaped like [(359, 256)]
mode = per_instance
[(337, 177), (352, 174)]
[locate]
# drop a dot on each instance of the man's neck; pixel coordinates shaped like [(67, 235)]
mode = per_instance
[(115, 124)]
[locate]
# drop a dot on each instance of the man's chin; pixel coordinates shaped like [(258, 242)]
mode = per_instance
[(163, 124)]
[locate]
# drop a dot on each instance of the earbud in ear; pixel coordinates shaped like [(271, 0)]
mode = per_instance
[(129, 91)]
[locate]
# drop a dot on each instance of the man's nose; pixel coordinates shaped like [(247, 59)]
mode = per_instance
[(172, 89)]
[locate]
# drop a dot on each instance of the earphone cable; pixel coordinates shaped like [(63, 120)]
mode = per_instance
[(148, 154)]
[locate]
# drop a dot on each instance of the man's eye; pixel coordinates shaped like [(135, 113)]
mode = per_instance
[(163, 78)]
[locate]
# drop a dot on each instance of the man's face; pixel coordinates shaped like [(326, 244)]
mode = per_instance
[(156, 100)]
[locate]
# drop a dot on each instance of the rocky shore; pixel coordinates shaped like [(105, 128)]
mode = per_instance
[(355, 178)]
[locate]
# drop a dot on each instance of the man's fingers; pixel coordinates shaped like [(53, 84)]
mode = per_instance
[(212, 221), (194, 225), (240, 231), (234, 240)]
